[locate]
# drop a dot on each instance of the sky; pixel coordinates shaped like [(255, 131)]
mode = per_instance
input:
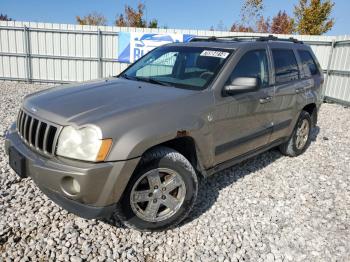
[(179, 14)]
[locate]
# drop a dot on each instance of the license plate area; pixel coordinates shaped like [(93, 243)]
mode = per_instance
[(17, 162)]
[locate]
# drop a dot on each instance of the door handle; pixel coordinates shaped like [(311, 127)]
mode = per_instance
[(265, 100), (299, 90)]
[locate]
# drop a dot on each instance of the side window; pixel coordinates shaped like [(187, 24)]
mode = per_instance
[(253, 64), (286, 66), (308, 62)]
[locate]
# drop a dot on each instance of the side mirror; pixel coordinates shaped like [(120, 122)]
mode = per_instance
[(241, 85)]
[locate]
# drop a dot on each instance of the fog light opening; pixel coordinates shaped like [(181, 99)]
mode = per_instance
[(70, 186)]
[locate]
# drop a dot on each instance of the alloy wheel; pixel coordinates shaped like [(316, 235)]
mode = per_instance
[(302, 134), (158, 194)]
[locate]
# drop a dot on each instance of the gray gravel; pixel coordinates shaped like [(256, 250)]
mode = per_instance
[(269, 208)]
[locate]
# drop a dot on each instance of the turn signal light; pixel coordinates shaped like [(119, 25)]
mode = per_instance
[(104, 150)]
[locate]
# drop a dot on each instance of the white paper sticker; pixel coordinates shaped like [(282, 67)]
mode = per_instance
[(212, 53)]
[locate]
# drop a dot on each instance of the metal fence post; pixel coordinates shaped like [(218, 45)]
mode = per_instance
[(328, 70), (27, 55), (99, 52)]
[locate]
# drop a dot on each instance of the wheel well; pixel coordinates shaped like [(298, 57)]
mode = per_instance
[(311, 109), (185, 145)]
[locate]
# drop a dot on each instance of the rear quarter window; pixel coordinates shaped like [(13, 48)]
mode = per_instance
[(308, 63), (286, 66)]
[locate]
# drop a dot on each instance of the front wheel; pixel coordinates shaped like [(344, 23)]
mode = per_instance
[(160, 193), (300, 138)]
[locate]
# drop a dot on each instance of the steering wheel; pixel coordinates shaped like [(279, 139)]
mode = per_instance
[(206, 74)]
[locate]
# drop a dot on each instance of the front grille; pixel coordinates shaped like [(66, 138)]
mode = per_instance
[(38, 134)]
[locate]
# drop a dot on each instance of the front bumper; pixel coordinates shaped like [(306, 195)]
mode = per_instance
[(100, 184)]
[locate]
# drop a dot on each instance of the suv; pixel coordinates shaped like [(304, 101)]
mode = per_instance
[(135, 144)]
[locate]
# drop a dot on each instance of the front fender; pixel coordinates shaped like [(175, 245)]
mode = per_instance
[(135, 132), (139, 139)]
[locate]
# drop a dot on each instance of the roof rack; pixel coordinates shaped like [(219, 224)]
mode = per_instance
[(244, 38), (275, 38), (223, 38)]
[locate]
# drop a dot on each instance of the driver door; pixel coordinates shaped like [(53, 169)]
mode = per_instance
[(243, 121)]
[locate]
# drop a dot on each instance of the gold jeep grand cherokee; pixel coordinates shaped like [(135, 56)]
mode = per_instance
[(135, 144)]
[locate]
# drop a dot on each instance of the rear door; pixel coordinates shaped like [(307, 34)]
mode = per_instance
[(289, 89), (312, 75), (242, 122)]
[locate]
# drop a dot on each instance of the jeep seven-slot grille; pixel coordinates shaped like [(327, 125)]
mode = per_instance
[(38, 134)]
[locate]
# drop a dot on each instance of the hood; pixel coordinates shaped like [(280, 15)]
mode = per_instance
[(82, 103)]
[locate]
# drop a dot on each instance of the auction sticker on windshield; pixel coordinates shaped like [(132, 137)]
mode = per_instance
[(213, 53)]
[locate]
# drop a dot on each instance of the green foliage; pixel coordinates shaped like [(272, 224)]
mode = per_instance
[(313, 16), (153, 23)]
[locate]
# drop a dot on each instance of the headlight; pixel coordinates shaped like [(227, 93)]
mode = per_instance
[(83, 144)]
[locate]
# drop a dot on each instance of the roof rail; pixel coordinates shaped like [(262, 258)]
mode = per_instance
[(203, 38), (275, 38), (223, 38), (244, 38)]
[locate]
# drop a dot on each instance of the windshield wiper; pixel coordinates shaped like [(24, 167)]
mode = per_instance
[(154, 81), (145, 79)]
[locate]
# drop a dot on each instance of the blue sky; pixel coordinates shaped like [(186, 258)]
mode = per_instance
[(181, 14)]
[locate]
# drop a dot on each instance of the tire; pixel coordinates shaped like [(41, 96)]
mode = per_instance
[(173, 205), (292, 148)]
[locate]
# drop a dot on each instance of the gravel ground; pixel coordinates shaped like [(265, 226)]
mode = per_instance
[(269, 208)]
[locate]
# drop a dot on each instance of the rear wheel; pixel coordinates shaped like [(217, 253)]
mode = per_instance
[(160, 193), (300, 138)]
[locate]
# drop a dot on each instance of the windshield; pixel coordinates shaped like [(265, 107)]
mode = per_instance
[(179, 66)]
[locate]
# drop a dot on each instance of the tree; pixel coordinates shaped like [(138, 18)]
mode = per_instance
[(134, 17), (252, 19), (153, 23), (262, 25), (92, 19), (282, 24), (251, 12), (120, 21), (241, 28), (5, 18), (313, 16)]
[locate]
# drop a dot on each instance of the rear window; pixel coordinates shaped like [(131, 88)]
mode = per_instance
[(286, 66), (309, 64)]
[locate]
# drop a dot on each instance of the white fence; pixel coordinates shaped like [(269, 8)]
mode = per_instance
[(61, 53)]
